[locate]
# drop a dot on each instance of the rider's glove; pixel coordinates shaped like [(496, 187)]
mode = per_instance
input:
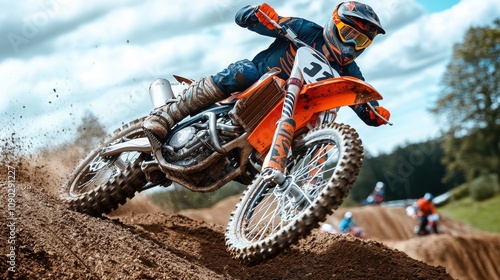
[(383, 112), (269, 11)]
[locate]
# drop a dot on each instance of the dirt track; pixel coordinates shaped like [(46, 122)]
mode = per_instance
[(55, 243)]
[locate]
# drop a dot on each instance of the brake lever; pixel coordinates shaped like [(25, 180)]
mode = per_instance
[(377, 114)]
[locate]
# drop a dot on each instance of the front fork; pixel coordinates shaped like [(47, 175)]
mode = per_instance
[(276, 160)]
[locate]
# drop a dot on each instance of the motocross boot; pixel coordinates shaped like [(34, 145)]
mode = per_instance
[(198, 95)]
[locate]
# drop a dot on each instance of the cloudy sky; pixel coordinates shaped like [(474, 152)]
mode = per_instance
[(61, 58)]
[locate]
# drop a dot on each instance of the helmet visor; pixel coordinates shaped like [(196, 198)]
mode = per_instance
[(349, 34)]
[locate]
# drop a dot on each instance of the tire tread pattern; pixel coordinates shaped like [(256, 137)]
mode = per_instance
[(109, 196)]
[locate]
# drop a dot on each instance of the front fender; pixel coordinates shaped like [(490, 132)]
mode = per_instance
[(314, 98), (332, 93)]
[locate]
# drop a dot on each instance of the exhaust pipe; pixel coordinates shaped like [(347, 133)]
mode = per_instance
[(160, 91)]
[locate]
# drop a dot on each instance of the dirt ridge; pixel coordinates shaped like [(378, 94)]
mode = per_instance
[(140, 242), (56, 243)]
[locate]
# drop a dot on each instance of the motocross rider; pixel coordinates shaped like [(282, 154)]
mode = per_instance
[(347, 33), (347, 223), (425, 209)]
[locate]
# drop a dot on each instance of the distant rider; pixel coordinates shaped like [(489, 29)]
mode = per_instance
[(347, 223), (426, 210), (377, 195)]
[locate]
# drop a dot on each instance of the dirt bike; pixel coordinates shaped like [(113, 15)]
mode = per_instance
[(357, 231), (278, 137), (428, 225)]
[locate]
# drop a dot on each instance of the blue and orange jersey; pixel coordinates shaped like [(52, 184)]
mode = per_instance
[(281, 52)]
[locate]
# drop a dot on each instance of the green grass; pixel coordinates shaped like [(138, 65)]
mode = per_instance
[(483, 215)]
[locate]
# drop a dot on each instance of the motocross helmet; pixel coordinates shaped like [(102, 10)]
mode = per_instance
[(327, 228), (350, 30), (428, 197), (348, 215)]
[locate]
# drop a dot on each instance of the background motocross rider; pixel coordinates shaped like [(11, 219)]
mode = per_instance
[(348, 32), (347, 223), (425, 208)]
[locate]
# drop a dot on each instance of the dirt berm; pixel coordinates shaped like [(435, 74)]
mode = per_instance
[(52, 242)]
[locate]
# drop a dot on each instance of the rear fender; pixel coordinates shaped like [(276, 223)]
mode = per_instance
[(135, 145)]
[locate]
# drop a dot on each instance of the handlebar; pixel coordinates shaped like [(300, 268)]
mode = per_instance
[(287, 33)]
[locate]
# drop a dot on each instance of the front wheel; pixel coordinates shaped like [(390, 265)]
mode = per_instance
[(98, 184), (321, 171)]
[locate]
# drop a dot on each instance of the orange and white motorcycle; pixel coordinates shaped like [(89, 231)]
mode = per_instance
[(278, 137)]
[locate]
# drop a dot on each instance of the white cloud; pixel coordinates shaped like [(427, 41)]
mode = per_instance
[(407, 66), (81, 51)]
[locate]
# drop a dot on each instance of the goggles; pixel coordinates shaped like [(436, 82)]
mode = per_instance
[(349, 34)]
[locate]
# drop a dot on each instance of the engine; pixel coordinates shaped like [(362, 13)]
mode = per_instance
[(196, 155), (189, 146), (195, 142)]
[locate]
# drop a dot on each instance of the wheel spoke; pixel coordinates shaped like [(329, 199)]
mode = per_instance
[(262, 217)]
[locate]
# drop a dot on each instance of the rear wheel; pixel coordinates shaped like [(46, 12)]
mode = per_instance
[(321, 171), (98, 184)]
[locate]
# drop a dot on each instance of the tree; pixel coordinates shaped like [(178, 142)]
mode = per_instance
[(470, 104), (89, 132), (409, 171)]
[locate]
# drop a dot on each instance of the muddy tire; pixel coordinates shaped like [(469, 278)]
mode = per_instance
[(268, 219), (99, 185)]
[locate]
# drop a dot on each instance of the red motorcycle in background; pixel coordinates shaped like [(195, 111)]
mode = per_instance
[(357, 231), (427, 225)]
